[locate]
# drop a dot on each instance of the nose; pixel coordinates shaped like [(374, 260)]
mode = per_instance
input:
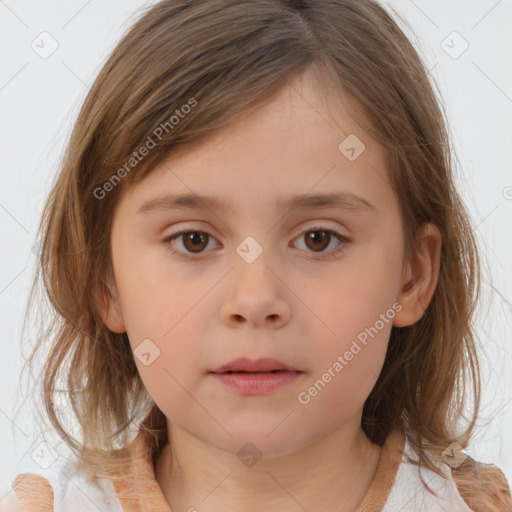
[(256, 296)]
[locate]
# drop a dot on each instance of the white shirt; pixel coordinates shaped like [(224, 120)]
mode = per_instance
[(396, 486)]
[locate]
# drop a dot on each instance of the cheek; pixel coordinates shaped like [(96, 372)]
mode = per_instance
[(160, 308), (154, 296), (373, 280), (164, 366), (356, 308), (355, 296), (346, 370)]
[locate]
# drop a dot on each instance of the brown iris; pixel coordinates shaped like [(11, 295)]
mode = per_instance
[(317, 240), (195, 240)]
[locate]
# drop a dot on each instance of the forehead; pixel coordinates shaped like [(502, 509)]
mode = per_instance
[(297, 143)]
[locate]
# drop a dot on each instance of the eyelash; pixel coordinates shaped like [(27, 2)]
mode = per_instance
[(189, 256)]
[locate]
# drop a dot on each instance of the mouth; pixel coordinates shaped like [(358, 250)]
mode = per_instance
[(256, 373), (255, 377), (255, 366), (256, 383)]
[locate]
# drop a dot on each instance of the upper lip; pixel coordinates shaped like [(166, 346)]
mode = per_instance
[(253, 365)]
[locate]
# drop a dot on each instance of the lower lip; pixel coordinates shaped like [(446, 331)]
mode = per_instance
[(257, 383)]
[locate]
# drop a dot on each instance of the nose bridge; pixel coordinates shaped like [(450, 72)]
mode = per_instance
[(251, 248), (256, 242), (255, 293), (257, 260)]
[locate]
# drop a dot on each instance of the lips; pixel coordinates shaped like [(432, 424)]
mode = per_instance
[(264, 365), (255, 377)]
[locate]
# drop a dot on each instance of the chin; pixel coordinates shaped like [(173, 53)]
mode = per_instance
[(257, 443)]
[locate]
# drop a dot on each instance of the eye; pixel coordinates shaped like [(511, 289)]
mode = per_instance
[(319, 239), (195, 242)]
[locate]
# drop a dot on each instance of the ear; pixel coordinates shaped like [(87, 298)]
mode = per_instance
[(109, 308), (420, 276)]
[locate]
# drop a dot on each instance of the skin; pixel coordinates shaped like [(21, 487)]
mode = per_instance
[(294, 303)]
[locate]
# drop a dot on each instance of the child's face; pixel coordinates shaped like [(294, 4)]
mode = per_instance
[(298, 302)]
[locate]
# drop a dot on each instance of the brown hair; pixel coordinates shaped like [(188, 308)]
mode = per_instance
[(229, 57)]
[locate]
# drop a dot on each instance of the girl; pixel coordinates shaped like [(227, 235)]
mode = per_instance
[(315, 350)]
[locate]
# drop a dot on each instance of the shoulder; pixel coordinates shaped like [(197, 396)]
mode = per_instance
[(418, 488), (29, 493), (9, 501), (65, 487), (471, 487), (483, 486)]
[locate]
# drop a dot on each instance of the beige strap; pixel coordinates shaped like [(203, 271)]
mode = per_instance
[(380, 487), (34, 492), (137, 489), (482, 486)]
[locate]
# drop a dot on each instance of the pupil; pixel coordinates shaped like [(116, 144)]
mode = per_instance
[(194, 238), (317, 239)]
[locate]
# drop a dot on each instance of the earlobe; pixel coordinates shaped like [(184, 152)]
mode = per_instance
[(107, 304), (421, 276)]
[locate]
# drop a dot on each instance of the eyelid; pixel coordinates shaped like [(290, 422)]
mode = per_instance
[(343, 239)]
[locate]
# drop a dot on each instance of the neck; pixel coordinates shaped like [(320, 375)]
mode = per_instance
[(333, 473)]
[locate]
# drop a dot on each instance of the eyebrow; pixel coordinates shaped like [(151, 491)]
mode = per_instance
[(340, 200)]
